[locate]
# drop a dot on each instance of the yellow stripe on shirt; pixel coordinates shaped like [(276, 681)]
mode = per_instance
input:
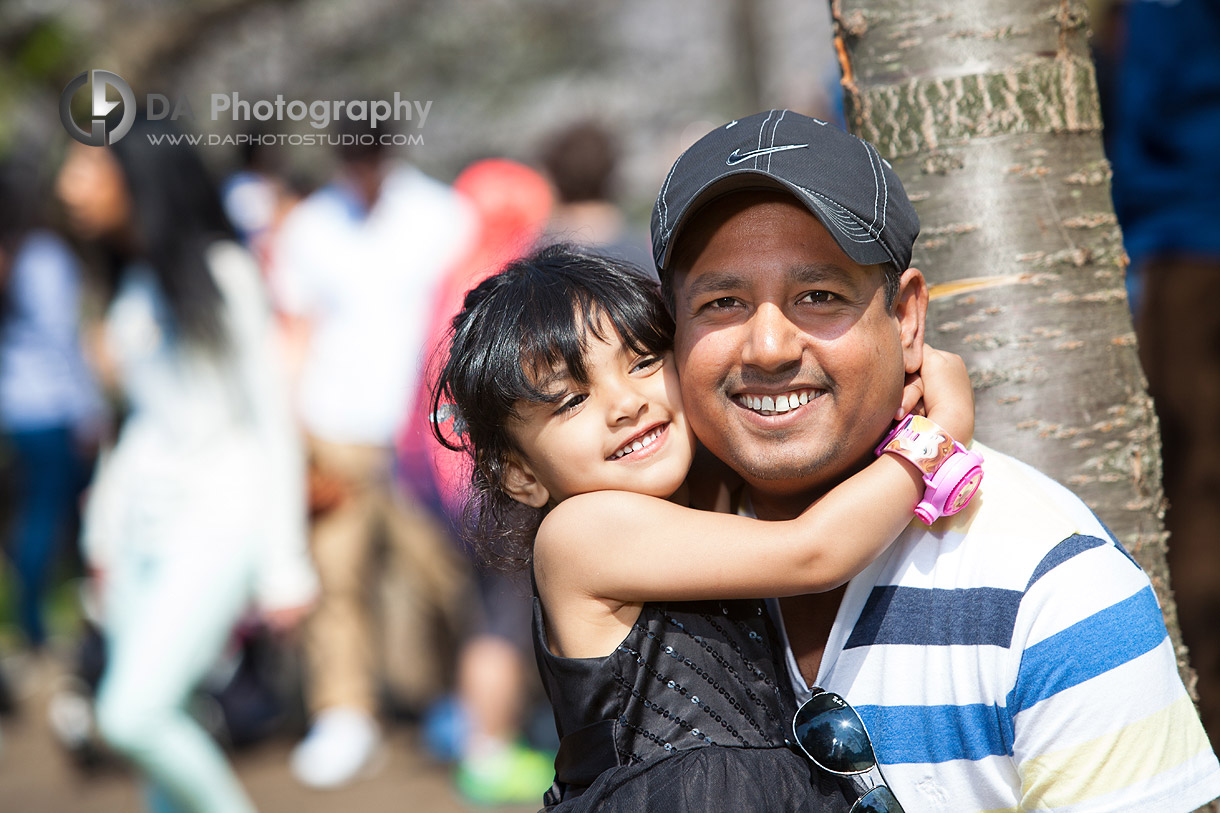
[(1132, 754)]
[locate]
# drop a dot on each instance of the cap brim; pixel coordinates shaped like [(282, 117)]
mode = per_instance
[(870, 252)]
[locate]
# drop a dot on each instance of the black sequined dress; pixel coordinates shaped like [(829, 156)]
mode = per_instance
[(685, 715)]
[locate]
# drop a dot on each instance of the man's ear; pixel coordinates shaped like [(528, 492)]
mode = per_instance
[(521, 484), (911, 311)]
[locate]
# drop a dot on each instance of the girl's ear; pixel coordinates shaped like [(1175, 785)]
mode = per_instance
[(521, 484)]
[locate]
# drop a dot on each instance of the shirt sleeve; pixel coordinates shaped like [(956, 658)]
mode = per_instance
[(292, 276), (285, 576), (1098, 715)]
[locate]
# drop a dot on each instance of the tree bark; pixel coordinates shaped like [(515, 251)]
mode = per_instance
[(988, 111)]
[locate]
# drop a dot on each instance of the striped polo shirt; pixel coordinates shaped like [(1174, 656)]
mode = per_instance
[(1014, 657)]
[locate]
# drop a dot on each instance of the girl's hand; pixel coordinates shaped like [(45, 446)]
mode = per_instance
[(912, 397), (941, 390)]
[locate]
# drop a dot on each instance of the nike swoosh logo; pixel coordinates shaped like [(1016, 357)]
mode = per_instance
[(736, 157)]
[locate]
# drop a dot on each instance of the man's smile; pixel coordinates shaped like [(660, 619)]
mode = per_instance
[(778, 403)]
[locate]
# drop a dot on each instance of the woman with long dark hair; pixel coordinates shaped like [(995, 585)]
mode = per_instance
[(199, 508)]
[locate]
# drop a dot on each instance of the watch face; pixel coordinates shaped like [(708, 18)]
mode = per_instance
[(963, 491)]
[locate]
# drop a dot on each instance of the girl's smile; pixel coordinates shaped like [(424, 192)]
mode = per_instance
[(642, 445)]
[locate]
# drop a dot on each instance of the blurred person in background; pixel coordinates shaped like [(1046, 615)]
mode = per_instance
[(1163, 128), (355, 269), (485, 729), (199, 508), (581, 161), (259, 194), (50, 407)]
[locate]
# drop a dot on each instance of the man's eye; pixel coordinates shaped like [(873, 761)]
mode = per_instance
[(722, 303), (571, 403), (819, 296), (646, 363)]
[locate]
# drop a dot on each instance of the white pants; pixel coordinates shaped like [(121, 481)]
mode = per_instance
[(171, 602)]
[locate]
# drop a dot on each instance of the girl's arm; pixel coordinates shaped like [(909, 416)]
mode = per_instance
[(627, 547)]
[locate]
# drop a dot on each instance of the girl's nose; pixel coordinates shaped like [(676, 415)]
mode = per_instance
[(627, 402)]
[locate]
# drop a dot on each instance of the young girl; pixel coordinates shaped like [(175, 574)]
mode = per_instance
[(563, 390)]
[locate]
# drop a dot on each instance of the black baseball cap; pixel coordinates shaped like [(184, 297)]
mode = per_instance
[(841, 179)]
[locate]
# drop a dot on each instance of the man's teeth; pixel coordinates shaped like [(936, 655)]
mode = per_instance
[(776, 405), (639, 443)]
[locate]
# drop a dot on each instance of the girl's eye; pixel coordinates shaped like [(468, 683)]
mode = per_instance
[(571, 403), (647, 362), (722, 302)]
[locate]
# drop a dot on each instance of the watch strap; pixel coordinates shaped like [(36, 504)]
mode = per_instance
[(921, 441)]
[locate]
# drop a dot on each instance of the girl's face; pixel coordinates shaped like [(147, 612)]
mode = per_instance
[(625, 431)]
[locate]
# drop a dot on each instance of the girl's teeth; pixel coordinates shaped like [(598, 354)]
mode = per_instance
[(636, 445)]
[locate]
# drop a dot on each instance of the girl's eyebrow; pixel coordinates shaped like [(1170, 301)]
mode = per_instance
[(557, 375)]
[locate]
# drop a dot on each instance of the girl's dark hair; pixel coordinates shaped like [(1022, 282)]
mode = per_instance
[(177, 215), (533, 316)]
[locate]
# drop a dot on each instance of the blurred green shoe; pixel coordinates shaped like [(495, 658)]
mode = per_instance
[(515, 775)]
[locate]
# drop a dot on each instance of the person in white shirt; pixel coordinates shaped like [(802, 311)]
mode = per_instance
[(354, 268)]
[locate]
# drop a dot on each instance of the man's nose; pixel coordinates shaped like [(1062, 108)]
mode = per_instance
[(772, 341)]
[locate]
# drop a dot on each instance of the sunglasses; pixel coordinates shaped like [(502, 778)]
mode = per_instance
[(832, 735)]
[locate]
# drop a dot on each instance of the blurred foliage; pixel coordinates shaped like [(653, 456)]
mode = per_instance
[(503, 73)]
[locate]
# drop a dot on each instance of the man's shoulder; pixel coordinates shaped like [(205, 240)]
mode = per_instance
[(432, 208), (325, 212), (1020, 523), (407, 185)]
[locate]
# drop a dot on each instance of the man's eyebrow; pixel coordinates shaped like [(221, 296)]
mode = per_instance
[(716, 281), (810, 273), (821, 272)]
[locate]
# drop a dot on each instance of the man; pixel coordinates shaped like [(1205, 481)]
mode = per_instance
[(1010, 657), (355, 267)]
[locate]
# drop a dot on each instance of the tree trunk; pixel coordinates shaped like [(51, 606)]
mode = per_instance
[(988, 111)]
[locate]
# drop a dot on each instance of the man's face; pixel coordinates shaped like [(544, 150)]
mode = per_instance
[(790, 363)]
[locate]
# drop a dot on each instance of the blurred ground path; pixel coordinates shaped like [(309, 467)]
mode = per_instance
[(37, 777)]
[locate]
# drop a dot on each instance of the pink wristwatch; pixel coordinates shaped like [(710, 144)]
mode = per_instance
[(952, 473)]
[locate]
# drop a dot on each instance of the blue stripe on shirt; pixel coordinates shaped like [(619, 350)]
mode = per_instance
[(1094, 646), (910, 734), (1101, 642), (1074, 544), (920, 616)]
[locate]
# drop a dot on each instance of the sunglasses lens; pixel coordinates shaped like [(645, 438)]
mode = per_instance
[(833, 735), (877, 800)]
